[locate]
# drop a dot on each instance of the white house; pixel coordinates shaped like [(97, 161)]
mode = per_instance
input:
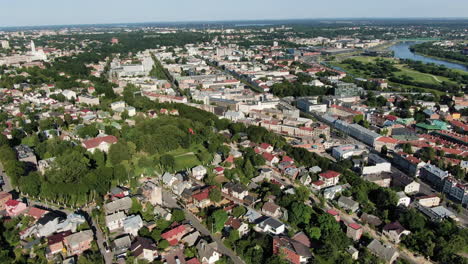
[(403, 199), (132, 224), (272, 226), (102, 143), (209, 253), (199, 172), (69, 94), (115, 221)]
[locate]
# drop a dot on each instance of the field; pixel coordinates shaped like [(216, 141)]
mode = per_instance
[(186, 158), (416, 75)]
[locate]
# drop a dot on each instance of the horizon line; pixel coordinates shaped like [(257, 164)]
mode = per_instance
[(234, 20)]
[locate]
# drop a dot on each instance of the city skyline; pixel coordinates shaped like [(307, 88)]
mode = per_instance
[(55, 12)]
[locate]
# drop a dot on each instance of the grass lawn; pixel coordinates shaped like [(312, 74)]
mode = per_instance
[(418, 76), (186, 161)]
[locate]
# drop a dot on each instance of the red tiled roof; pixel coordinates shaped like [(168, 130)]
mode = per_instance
[(332, 212), (354, 226), (265, 145), (94, 142), (318, 183), (268, 156), (173, 232), (193, 261), (388, 140), (36, 212), (329, 174), (53, 239), (203, 195), (12, 203)]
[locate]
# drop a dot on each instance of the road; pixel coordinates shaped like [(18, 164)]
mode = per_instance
[(171, 202), (7, 184), (100, 238)]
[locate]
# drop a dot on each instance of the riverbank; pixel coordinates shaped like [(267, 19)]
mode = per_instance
[(442, 59), (402, 50)]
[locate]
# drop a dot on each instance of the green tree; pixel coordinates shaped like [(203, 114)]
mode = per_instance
[(215, 195)]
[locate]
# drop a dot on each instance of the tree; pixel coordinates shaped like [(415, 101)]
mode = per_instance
[(314, 233), (384, 151), (215, 195), (119, 152), (167, 161), (178, 215), (219, 218), (239, 211), (163, 244)]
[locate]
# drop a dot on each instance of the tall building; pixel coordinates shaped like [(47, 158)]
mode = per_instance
[(5, 44), (347, 89), (33, 47)]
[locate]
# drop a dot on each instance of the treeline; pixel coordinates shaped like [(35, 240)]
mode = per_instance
[(380, 69), (428, 48), (438, 70)]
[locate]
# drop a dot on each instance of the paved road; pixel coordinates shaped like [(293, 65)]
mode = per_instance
[(170, 201), (7, 184), (108, 256)]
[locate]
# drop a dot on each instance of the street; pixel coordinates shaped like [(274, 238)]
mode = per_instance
[(170, 201)]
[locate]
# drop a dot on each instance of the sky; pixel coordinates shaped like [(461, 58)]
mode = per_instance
[(67, 12)]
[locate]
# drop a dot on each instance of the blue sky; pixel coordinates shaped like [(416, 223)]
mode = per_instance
[(59, 12)]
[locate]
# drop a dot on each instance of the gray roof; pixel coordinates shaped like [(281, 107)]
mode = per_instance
[(385, 252), (77, 238), (118, 205)]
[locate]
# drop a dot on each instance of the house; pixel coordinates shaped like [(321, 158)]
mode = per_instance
[(265, 147), (394, 231), (270, 158), (115, 221), (271, 225), (48, 224), (132, 224), (318, 185), (235, 190), (302, 238), (271, 209), (144, 249), (236, 224), (123, 204), (152, 193), (4, 197), (348, 204), (353, 252), (199, 172), (335, 214), (36, 213), (371, 219), (218, 170), (79, 242), (381, 179), (330, 192), (201, 198), (409, 185), (208, 252), (354, 231), (168, 179), (330, 178), (26, 154), (191, 238), (428, 200), (102, 143), (385, 252), (403, 199), (15, 208), (55, 242), (121, 245), (292, 250), (252, 216), (174, 235)]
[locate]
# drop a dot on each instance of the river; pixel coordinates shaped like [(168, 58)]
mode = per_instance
[(402, 50)]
